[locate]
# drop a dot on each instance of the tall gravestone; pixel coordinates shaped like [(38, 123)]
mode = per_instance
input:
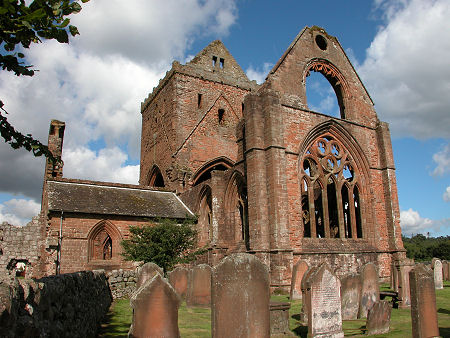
[(178, 278), (146, 272), (370, 289), (350, 295), (298, 270), (240, 297), (155, 310), (437, 270), (404, 266), (423, 303), (305, 294), (324, 304), (445, 270), (199, 286), (379, 318)]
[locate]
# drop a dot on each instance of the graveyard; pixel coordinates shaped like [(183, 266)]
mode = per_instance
[(196, 320)]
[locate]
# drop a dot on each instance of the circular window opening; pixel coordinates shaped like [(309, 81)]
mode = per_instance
[(321, 42)]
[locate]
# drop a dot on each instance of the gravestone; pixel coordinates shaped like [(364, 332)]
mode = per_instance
[(279, 319), (404, 266), (155, 309), (423, 302), (298, 270), (324, 304), (240, 291), (350, 295), (199, 286), (437, 270), (305, 292), (178, 278), (146, 272), (370, 290), (445, 270), (379, 318)]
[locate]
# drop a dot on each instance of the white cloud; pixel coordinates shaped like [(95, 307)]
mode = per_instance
[(442, 159), (18, 211), (446, 195), (412, 223), (257, 74), (407, 67), (106, 165)]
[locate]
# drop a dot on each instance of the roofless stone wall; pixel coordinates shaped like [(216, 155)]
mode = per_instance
[(67, 305)]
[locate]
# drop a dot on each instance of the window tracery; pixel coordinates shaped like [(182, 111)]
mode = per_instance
[(330, 196)]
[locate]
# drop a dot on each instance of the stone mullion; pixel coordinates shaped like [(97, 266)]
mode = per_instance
[(312, 218), (340, 210), (351, 203), (326, 216)]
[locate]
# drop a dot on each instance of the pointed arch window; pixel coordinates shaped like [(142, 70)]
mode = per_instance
[(104, 242), (330, 193)]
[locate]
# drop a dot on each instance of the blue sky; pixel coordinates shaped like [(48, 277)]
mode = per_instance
[(400, 49)]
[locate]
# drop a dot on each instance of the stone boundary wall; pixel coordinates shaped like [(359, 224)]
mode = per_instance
[(122, 282), (67, 305)]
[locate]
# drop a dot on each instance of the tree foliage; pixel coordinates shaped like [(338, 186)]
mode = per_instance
[(421, 248), (22, 24), (166, 243)]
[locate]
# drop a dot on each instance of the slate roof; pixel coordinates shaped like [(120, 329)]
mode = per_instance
[(113, 200)]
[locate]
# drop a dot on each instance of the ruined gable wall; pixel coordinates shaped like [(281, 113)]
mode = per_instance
[(20, 244)]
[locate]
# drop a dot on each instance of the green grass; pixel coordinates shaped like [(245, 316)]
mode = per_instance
[(196, 322)]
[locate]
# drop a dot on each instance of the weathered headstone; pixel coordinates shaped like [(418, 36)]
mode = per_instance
[(379, 318), (437, 270), (178, 278), (240, 297), (305, 292), (199, 286), (423, 302), (350, 295), (370, 289), (324, 304), (146, 272), (298, 270), (404, 266), (279, 319), (445, 270), (155, 309)]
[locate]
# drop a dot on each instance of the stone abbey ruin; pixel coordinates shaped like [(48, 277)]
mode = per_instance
[(262, 173)]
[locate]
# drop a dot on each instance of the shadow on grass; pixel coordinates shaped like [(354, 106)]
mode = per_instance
[(441, 310), (301, 331), (444, 331)]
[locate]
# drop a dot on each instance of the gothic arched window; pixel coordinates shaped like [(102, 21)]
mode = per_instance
[(330, 196)]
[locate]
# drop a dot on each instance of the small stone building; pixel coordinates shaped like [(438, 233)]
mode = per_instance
[(263, 173)]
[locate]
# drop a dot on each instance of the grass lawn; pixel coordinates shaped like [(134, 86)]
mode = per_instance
[(196, 322)]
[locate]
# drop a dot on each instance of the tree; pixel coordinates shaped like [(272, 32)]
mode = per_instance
[(166, 243), (20, 26)]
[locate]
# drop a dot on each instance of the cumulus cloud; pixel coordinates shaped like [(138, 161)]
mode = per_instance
[(109, 164), (442, 159), (97, 82), (446, 195), (18, 211), (407, 68), (259, 74), (412, 223)]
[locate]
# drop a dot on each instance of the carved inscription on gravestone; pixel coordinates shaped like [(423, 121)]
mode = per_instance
[(325, 318)]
